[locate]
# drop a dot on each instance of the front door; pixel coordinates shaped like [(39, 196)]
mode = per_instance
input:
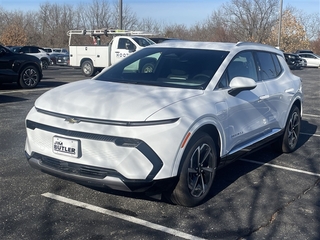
[(123, 49)]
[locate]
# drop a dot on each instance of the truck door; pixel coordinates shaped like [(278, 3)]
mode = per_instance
[(121, 49)]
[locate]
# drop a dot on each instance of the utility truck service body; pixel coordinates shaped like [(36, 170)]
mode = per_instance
[(93, 58)]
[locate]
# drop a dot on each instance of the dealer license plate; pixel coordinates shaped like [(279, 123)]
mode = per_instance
[(66, 146)]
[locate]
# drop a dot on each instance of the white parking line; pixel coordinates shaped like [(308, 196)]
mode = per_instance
[(310, 134), (310, 115), (281, 167), (25, 90), (121, 216)]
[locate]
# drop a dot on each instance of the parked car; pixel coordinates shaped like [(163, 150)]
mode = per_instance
[(202, 106), (294, 61), (23, 69), (312, 59), (15, 48), (63, 59), (53, 57), (48, 50), (39, 53), (304, 51), (60, 50)]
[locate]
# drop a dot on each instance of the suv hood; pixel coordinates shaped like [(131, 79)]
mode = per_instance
[(111, 101)]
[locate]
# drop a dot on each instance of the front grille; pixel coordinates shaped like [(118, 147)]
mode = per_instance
[(75, 168)]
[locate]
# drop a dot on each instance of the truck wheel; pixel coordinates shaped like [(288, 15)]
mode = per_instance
[(147, 68), (29, 77), (197, 172), (87, 68)]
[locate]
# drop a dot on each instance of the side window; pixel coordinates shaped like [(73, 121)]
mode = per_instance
[(125, 44), (242, 65), (33, 50), (23, 50), (267, 68), (277, 64)]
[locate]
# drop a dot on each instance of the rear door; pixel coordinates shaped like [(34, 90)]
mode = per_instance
[(281, 87)]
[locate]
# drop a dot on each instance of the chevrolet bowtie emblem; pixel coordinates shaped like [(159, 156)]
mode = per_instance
[(72, 120)]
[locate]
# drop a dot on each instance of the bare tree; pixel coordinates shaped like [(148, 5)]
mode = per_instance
[(311, 23), (149, 25), (251, 20), (98, 14), (216, 29), (14, 33), (129, 18)]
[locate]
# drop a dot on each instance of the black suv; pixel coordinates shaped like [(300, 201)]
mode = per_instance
[(294, 61), (24, 69)]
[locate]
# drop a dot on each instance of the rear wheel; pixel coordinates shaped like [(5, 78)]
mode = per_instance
[(29, 77), (87, 68), (197, 172), (288, 141)]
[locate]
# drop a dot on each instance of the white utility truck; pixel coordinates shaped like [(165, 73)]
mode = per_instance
[(93, 58)]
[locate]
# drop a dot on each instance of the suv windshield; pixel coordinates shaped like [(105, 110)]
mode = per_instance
[(167, 67)]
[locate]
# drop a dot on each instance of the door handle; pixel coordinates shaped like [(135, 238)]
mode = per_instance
[(264, 97)]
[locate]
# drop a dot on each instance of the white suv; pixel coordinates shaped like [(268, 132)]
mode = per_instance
[(201, 106), (39, 53)]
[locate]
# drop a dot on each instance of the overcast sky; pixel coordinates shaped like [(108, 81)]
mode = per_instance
[(186, 12)]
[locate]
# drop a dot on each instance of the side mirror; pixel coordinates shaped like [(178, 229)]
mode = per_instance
[(239, 84), (132, 48)]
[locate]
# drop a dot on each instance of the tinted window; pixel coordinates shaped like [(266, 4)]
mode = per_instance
[(24, 50), (267, 68), (172, 67), (276, 64), (242, 65), (125, 43)]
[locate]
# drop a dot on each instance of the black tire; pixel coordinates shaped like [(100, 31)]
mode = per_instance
[(287, 143), (29, 77), (197, 172), (87, 68), (45, 64), (147, 68)]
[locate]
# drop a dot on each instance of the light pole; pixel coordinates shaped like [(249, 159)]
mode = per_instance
[(280, 22), (120, 14)]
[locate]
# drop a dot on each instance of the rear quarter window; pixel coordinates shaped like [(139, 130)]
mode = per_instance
[(269, 66)]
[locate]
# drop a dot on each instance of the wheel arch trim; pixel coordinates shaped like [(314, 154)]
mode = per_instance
[(206, 124)]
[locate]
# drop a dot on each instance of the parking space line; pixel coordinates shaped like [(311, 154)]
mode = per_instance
[(281, 167), (25, 90), (121, 216), (310, 115), (310, 134)]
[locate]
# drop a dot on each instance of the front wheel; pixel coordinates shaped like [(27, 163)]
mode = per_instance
[(288, 141), (87, 68), (29, 77), (197, 172), (45, 64)]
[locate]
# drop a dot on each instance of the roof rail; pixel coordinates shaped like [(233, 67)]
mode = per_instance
[(254, 44)]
